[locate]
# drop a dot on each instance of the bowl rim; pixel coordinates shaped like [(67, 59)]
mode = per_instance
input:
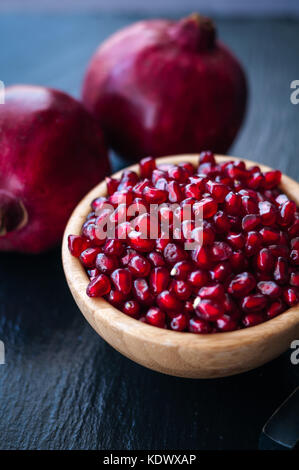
[(97, 307)]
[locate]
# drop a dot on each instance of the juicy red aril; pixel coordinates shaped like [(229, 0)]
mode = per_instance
[(106, 263), (182, 289), (250, 222), (294, 279), (139, 266), (252, 319), (159, 279), (179, 323), (174, 253), (198, 278), (206, 208), (269, 288), (196, 325), (88, 257), (254, 303), (265, 260), (168, 301), (226, 323), (290, 295), (208, 309), (142, 291), (146, 166), (154, 195), (131, 308), (77, 244), (181, 270), (233, 203), (155, 317), (122, 280), (242, 284), (156, 259), (281, 271), (241, 270), (99, 286), (275, 308), (213, 291)]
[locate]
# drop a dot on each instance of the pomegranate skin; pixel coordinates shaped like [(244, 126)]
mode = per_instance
[(162, 87), (51, 153)]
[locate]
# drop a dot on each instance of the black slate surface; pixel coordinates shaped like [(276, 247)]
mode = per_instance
[(62, 386)]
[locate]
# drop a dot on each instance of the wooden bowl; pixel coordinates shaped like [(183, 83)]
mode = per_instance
[(180, 354)]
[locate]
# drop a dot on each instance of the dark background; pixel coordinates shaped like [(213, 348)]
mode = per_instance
[(62, 386)]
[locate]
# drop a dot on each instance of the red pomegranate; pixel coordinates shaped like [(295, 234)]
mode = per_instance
[(163, 87), (51, 154)]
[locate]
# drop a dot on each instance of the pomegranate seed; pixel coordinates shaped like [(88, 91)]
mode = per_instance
[(290, 296), (173, 253), (207, 157), (111, 184), (177, 173), (116, 298), (250, 205), (233, 203), (221, 271), (287, 213), (139, 187), (268, 213), (124, 196), (146, 166), (294, 257), (295, 243), (88, 257), (254, 303), (182, 289), (205, 233), (208, 309), (221, 221), (236, 240), (179, 323), (99, 286), (175, 194), (154, 195), (269, 235), (275, 308), (198, 278), (155, 317), (159, 279), (122, 280), (142, 291), (206, 208), (294, 279), (242, 284), (293, 230), (255, 181), (181, 270), (131, 308), (196, 325), (139, 266), (272, 179), (192, 190), (213, 291), (106, 263), (156, 259), (139, 243), (113, 247), (226, 323), (129, 253), (77, 244), (217, 190), (238, 261), (167, 301), (161, 243), (265, 260), (201, 257), (221, 251), (253, 243), (279, 250), (250, 222), (269, 288), (281, 271), (92, 273), (253, 319)]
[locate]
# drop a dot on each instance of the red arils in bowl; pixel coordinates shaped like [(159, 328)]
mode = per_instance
[(223, 259)]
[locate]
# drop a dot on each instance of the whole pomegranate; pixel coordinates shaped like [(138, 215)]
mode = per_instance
[(163, 87), (51, 154)]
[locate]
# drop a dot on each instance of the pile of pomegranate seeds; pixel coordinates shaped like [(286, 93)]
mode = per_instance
[(236, 269)]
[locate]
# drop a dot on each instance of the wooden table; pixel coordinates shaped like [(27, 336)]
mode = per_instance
[(62, 386)]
